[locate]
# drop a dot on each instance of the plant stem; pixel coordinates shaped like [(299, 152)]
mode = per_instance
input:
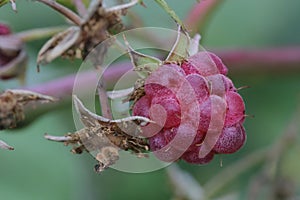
[(80, 7), (63, 87), (228, 174), (63, 10), (185, 186), (200, 13), (103, 98), (164, 5), (283, 59), (39, 33), (243, 61), (269, 155)]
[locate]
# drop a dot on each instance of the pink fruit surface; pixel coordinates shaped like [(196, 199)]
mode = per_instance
[(197, 108)]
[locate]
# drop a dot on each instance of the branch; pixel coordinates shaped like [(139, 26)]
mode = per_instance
[(243, 61), (103, 98), (63, 10), (200, 13), (270, 156), (39, 33), (284, 59), (185, 186), (80, 7), (63, 87), (231, 172)]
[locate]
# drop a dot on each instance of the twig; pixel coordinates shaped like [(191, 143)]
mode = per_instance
[(104, 102), (270, 170), (58, 138), (184, 184), (164, 5), (63, 87), (270, 155), (39, 33), (231, 172), (283, 59), (200, 13), (243, 61), (63, 10), (80, 7)]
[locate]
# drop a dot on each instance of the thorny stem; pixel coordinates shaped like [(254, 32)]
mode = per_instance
[(63, 10), (39, 33), (200, 13)]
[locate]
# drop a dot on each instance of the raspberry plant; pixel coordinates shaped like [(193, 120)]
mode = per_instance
[(184, 107)]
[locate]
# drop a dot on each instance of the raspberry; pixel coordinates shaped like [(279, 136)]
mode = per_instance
[(168, 111), (231, 139), (197, 108), (4, 29), (192, 156)]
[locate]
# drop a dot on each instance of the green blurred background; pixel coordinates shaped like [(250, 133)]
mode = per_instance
[(39, 169)]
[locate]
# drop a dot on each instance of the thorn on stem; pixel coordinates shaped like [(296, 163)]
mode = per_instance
[(3, 145), (243, 87), (58, 138)]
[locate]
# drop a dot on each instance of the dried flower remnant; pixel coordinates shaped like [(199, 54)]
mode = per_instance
[(13, 57), (78, 41), (12, 104), (104, 138)]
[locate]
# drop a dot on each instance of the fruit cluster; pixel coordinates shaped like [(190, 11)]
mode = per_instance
[(197, 109)]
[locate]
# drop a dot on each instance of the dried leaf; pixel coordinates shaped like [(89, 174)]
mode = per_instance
[(79, 41), (58, 45), (13, 57), (104, 137), (12, 104)]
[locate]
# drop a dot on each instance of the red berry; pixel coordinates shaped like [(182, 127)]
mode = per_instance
[(195, 106), (219, 64), (235, 108), (4, 29), (199, 85), (192, 156), (165, 111), (142, 106), (231, 139), (205, 64)]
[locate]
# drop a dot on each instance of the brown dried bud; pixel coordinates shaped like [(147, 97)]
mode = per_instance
[(12, 103), (13, 57), (103, 137), (79, 41)]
